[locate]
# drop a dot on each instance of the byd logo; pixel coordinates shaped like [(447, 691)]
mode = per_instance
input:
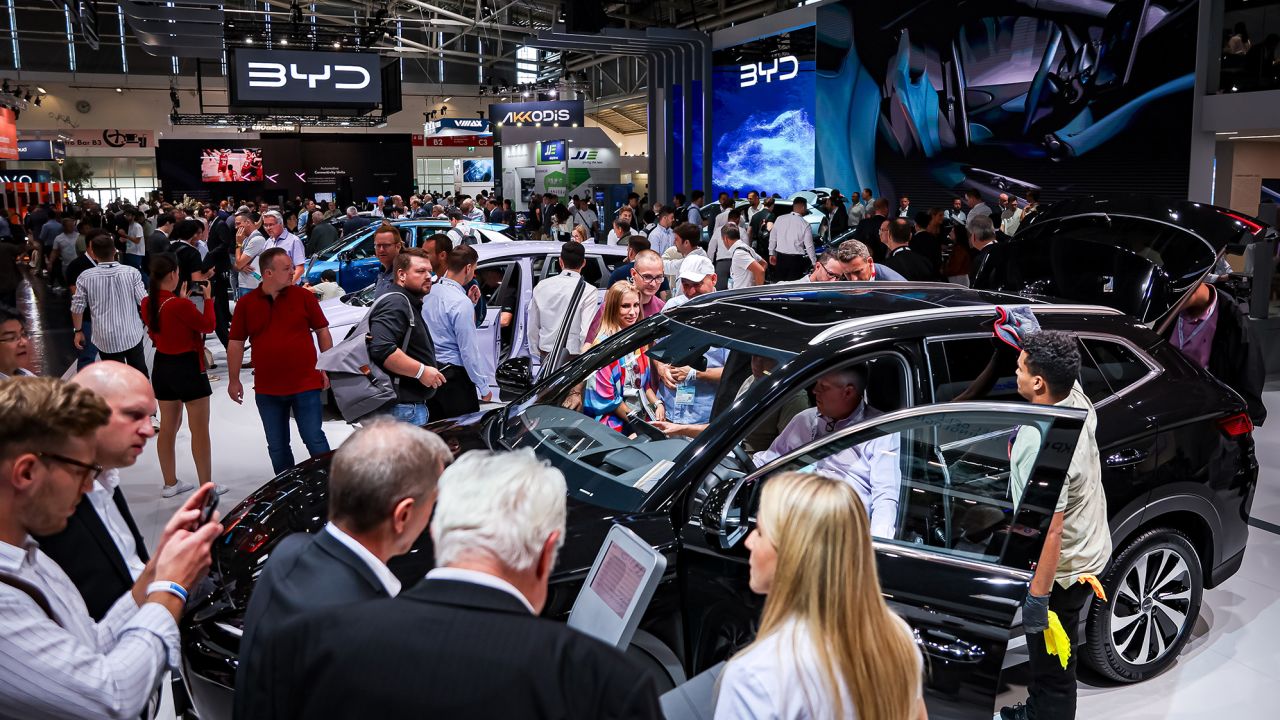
[(585, 155), (276, 75), (537, 116), (751, 74)]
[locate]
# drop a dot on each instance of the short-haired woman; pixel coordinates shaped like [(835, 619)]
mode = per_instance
[(613, 390), (179, 376), (828, 645)]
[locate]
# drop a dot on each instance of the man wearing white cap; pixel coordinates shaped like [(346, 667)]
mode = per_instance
[(697, 277)]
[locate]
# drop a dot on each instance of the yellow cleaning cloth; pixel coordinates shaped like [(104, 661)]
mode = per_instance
[(1056, 641), (1097, 586)]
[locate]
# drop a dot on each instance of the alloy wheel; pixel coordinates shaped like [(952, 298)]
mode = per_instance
[(1152, 605)]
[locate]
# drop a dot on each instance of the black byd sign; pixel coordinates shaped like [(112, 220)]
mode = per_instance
[(300, 78)]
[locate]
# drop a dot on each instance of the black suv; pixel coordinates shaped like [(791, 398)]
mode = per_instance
[(1178, 458)]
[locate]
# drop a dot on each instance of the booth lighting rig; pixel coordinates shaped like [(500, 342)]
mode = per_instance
[(18, 98), (222, 120)]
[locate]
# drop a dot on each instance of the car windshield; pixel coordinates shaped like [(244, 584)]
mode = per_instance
[(601, 420)]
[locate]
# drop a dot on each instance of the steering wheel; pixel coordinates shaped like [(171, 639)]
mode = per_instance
[(1063, 86)]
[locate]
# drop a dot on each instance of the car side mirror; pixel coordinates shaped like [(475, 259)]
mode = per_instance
[(345, 256), (725, 514)]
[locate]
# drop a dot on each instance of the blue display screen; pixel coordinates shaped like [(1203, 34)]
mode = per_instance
[(763, 115)]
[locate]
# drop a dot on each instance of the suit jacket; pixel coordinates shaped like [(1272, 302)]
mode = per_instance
[(448, 649), (911, 264), (304, 573), (869, 233), (89, 556), (1235, 355)]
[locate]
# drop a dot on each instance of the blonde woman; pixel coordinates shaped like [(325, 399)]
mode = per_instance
[(614, 390), (828, 645)]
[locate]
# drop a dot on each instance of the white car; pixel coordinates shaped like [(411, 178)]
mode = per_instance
[(507, 272)]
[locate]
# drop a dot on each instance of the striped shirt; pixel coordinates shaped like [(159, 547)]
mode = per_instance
[(113, 293), (73, 667)]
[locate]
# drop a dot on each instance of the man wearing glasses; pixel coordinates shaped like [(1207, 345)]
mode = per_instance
[(387, 244), (278, 236), (647, 276), (54, 659), (15, 345), (861, 266)]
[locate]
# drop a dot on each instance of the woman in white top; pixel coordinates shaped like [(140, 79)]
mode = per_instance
[(828, 645)]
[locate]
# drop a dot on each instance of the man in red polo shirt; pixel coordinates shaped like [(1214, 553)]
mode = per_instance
[(279, 318)]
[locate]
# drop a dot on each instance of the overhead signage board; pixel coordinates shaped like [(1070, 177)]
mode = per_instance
[(301, 78), (9, 148), (41, 150), (565, 113), (449, 127)]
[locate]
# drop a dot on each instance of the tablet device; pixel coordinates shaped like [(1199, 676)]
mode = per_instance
[(618, 589)]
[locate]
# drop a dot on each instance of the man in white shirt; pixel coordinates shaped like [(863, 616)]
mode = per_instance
[(584, 215), (872, 468), (956, 214), (64, 245), (722, 217), (697, 277), (662, 237), (623, 221), (55, 661), (791, 251), (460, 231), (551, 305), (377, 510), (746, 268), (687, 237), (251, 244), (279, 236)]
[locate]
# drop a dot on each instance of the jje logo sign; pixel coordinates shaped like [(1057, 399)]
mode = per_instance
[(783, 68)]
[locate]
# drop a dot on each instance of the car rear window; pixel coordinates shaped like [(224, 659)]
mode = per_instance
[(1117, 363)]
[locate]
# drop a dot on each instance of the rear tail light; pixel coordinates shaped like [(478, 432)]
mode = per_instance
[(1236, 425)]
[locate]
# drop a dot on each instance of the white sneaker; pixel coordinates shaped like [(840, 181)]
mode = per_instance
[(220, 489), (177, 489)]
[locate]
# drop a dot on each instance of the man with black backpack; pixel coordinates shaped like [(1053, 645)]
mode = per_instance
[(398, 341)]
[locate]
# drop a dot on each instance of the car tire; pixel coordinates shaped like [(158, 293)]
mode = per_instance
[(1154, 589)]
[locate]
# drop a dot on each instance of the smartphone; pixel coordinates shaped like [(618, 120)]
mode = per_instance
[(196, 287), (206, 510)]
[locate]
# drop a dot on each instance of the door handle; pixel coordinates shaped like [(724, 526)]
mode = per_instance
[(1126, 457)]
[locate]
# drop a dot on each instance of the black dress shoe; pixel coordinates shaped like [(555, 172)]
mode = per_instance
[(1017, 712)]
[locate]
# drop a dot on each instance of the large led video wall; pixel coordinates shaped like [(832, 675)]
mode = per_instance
[(763, 115), (928, 99)]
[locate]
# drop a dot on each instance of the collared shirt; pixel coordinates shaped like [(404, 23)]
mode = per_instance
[(741, 257), (284, 354), (73, 667), (690, 402), (103, 501), (694, 215), (451, 319), (955, 216), (113, 293), (1086, 536), (661, 238), (475, 577), (386, 280), (253, 246), (872, 467), (715, 244), (291, 243), (378, 567), (65, 244), (136, 244), (549, 306), (614, 238), (462, 233), (792, 235), (1194, 335)]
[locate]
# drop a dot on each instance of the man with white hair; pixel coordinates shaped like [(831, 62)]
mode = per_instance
[(382, 488), (871, 467), (279, 236), (466, 641)]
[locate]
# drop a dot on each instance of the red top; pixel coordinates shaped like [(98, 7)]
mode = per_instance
[(182, 326), (284, 355)]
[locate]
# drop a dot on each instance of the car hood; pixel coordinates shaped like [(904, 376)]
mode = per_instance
[(340, 314), (1140, 255)]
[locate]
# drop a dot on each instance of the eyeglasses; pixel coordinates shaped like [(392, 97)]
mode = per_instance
[(834, 275), (15, 337), (94, 471), (650, 278)]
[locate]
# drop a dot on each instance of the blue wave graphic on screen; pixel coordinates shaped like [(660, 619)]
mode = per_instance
[(771, 153), (476, 171)]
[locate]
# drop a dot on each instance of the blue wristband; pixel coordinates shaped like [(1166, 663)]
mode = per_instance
[(168, 586)]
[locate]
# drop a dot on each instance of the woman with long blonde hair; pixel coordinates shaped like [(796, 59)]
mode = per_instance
[(614, 390), (828, 645)]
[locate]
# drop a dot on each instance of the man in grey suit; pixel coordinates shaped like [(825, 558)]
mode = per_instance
[(382, 488)]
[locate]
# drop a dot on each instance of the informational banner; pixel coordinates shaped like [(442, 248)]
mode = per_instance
[(458, 127), (554, 113), (299, 78), (110, 138), (22, 175), (573, 170), (41, 150), (8, 135)]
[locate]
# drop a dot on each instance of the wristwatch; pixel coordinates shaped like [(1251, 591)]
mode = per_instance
[(79, 330)]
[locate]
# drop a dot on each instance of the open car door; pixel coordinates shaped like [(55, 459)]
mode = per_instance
[(955, 563)]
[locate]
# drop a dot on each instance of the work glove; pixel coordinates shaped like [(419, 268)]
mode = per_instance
[(1035, 613)]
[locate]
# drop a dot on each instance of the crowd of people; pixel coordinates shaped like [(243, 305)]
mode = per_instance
[(90, 613)]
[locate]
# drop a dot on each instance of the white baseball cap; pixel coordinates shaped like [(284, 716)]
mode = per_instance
[(696, 268)]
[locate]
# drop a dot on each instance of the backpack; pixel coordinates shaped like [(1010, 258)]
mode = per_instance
[(359, 386)]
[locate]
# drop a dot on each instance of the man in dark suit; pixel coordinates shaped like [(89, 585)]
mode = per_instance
[(159, 240), (869, 229), (465, 642), (896, 235), (101, 549), (985, 271), (382, 486)]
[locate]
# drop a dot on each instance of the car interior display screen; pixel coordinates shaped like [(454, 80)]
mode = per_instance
[(763, 129), (231, 165), (617, 579)]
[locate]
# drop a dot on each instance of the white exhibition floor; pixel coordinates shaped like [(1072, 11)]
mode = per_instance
[(1229, 669)]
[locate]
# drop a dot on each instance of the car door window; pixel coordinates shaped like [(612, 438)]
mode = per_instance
[(1118, 364), (977, 368), (943, 477), (363, 249)]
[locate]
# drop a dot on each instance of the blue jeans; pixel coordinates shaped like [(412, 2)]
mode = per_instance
[(412, 413), (242, 291), (89, 354), (307, 411)]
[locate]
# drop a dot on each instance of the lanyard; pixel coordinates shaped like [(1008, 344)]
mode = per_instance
[(1182, 338)]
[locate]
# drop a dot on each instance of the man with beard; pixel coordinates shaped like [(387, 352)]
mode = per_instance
[(394, 316)]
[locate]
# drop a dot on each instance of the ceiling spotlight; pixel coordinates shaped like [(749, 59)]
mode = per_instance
[(248, 41), (119, 90), (38, 99), (337, 44), (284, 41), (552, 92), (524, 94)]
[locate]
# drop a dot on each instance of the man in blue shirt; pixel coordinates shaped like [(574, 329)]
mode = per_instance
[(449, 314)]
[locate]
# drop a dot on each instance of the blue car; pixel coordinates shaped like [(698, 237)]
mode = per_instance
[(353, 259)]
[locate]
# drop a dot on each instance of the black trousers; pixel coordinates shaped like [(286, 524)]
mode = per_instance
[(1053, 689), (221, 291), (791, 267), (457, 396), (133, 357)]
